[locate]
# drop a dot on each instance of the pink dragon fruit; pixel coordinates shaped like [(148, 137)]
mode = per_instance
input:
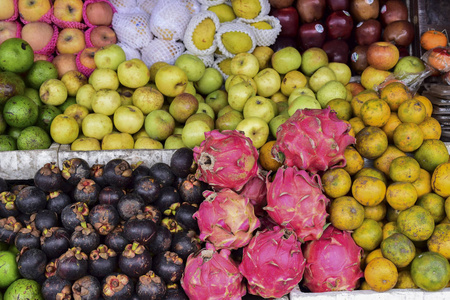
[(211, 274), (226, 159), (312, 140), (226, 219), (272, 263), (295, 200), (332, 262), (256, 191)]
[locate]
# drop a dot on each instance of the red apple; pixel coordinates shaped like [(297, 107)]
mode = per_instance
[(99, 13), (362, 10), (310, 10), (64, 63), (87, 57), (102, 36), (339, 25), (283, 42), (337, 50), (382, 55), (288, 19), (400, 33), (368, 32), (335, 5), (8, 30), (358, 59), (403, 51), (311, 35), (281, 3), (393, 10)]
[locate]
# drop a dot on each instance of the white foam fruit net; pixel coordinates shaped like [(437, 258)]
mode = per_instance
[(211, 2), (193, 23), (169, 19), (161, 50), (238, 27), (124, 6), (192, 5), (130, 52), (147, 5), (132, 29), (264, 37)]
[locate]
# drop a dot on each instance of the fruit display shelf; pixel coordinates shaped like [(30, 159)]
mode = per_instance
[(398, 294)]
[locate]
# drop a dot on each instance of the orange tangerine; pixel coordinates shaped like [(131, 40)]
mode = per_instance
[(389, 229), (440, 180), (408, 137), (423, 183), (369, 235), (426, 102), (358, 100), (383, 162), (432, 38), (266, 159), (395, 93), (404, 168), (375, 112), (401, 195), (357, 124), (371, 142), (369, 191), (346, 213), (405, 280), (377, 212), (412, 110), (336, 182), (354, 160), (431, 128), (381, 274), (390, 125), (369, 171)]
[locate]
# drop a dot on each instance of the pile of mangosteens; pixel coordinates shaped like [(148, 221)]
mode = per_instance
[(106, 231)]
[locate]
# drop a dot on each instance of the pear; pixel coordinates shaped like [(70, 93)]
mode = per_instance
[(237, 42), (203, 34), (246, 9)]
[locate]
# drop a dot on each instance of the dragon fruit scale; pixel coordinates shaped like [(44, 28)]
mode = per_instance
[(226, 159), (226, 219), (212, 275), (256, 191), (272, 263), (313, 140), (295, 200), (332, 262)]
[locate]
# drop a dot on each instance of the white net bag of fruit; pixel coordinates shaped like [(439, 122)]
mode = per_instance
[(192, 5), (208, 60), (133, 29), (147, 5), (266, 29), (200, 33), (125, 6), (235, 37), (219, 65), (130, 52), (211, 2), (169, 19), (162, 50), (251, 9)]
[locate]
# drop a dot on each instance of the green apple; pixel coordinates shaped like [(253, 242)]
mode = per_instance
[(106, 102), (64, 129), (53, 92), (73, 80), (199, 98), (245, 63), (117, 141), (217, 99), (193, 66), (159, 125), (292, 80), (171, 80), (256, 129), (313, 59), (194, 133), (224, 110), (342, 71), (260, 107), (174, 142), (84, 96), (190, 88), (268, 82), (148, 143), (331, 90), (206, 109), (147, 99), (126, 95), (229, 120), (320, 77), (212, 80), (235, 79), (109, 57), (300, 92), (282, 107), (409, 64), (77, 111), (239, 94), (201, 117), (183, 106), (133, 73), (275, 123), (286, 59), (178, 129), (104, 79), (96, 125), (128, 119), (302, 102)]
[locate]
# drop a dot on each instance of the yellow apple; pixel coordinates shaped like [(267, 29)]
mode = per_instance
[(7, 10), (70, 41), (33, 10), (372, 77), (68, 10)]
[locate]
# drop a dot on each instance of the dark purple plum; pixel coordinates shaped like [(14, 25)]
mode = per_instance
[(162, 173), (116, 239), (110, 195), (118, 172), (182, 162), (31, 263), (168, 197), (184, 243), (191, 190), (148, 188), (45, 219), (31, 200), (139, 229), (184, 216), (28, 237), (72, 265), (55, 241), (57, 200), (85, 237), (174, 292), (48, 178), (162, 240), (96, 173), (140, 170)]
